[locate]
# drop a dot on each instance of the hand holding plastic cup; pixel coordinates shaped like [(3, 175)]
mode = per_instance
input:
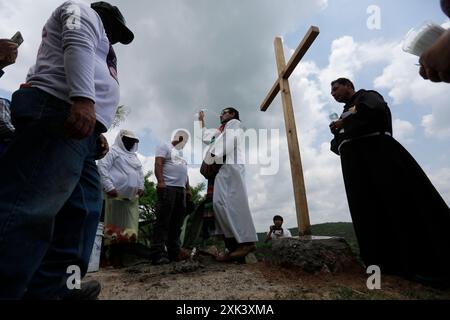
[(197, 114), (334, 116), (418, 40)]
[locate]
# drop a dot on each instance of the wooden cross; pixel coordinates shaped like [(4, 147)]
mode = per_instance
[(282, 84)]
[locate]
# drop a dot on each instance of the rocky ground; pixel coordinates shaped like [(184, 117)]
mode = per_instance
[(204, 278)]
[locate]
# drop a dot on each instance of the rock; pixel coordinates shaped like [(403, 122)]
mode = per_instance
[(210, 250), (313, 254), (186, 267), (251, 258)]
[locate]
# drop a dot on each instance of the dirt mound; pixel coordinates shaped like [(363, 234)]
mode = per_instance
[(204, 278)]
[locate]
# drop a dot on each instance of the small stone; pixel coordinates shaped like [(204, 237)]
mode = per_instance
[(251, 258)]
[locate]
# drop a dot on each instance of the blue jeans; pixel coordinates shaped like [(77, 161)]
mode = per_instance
[(50, 199)]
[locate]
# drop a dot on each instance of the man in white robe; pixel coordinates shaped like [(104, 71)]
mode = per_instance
[(230, 201)]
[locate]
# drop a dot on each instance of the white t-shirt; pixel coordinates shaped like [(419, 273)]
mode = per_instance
[(175, 170), (75, 60), (283, 233)]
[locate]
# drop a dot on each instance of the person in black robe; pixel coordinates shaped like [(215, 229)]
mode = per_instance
[(401, 222)]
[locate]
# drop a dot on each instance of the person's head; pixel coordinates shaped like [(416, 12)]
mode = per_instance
[(180, 138), (129, 140), (342, 90), (278, 221), (113, 22), (228, 114)]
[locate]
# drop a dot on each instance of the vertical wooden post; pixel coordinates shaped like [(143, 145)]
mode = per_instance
[(301, 203)]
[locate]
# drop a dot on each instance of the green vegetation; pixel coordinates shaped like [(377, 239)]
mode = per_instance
[(339, 229), (147, 207)]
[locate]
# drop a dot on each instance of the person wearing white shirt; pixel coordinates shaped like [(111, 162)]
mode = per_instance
[(172, 193), (123, 182), (50, 195), (230, 200), (277, 231)]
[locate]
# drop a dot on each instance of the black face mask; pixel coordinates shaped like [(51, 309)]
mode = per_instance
[(128, 143)]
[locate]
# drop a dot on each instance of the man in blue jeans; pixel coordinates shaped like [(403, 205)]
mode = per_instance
[(50, 195)]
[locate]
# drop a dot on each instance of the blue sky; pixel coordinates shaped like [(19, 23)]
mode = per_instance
[(192, 53), (348, 17)]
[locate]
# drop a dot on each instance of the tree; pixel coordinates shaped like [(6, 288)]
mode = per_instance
[(121, 113), (147, 207)]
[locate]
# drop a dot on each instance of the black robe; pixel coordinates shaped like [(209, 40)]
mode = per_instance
[(401, 222)]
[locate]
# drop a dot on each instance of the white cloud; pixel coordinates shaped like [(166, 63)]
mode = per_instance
[(215, 53), (441, 180), (404, 83), (348, 58), (403, 131)]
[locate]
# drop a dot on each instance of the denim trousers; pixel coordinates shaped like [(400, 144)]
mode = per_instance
[(50, 199)]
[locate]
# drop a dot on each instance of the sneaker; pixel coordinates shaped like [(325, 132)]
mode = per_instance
[(242, 251), (89, 291), (435, 282)]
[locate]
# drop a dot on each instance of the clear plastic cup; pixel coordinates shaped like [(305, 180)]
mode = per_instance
[(197, 114), (418, 40), (333, 116)]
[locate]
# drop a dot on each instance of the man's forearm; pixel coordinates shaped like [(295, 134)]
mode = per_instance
[(159, 173), (269, 235)]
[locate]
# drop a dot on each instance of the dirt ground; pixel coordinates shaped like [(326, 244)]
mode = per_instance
[(204, 278)]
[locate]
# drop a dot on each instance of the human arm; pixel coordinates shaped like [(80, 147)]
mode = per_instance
[(102, 147), (435, 61), (104, 168), (188, 190), (141, 178), (81, 33), (269, 234), (162, 153), (201, 119), (6, 128), (206, 134), (369, 114), (159, 167)]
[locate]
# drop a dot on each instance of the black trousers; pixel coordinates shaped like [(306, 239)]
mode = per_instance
[(170, 214)]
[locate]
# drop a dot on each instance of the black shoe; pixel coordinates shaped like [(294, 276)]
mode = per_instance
[(159, 261), (89, 291), (435, 282)]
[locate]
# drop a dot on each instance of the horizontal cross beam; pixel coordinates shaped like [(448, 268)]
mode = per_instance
[(303, 47)]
